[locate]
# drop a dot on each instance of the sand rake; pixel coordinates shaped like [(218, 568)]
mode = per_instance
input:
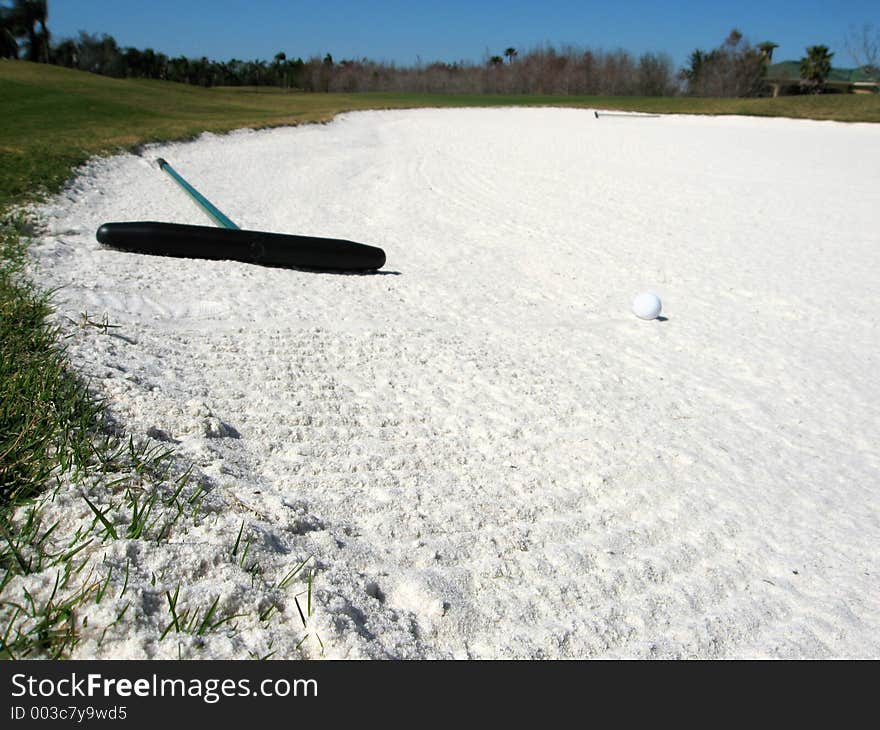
[(231, 243)]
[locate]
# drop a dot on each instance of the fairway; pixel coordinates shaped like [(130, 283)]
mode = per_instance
[(480, 452)]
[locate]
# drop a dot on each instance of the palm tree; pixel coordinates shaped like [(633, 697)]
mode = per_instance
[(815, 67), (21, 20), (279, 64), (766, 48), (8, 44), (8, 33), (511, 54)]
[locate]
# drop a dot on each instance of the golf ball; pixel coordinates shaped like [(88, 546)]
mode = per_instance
[(647, 305)]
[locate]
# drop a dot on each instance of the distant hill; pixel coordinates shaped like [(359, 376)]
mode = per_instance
[(791, 70)]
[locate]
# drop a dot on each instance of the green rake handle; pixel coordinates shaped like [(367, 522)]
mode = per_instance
[(205, 204)]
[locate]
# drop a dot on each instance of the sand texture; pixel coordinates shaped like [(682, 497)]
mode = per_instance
[(482, 450)]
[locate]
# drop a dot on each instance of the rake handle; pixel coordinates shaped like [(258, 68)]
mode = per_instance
[(206, 205)]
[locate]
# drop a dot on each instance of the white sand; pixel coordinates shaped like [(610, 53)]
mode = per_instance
[(486, 453)]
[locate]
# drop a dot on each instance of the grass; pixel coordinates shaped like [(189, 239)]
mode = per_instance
[(56, 118), (52, 430), (52, 436), (46, 416)]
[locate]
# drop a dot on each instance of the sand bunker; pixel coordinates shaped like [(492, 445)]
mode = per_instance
[(485, 452)]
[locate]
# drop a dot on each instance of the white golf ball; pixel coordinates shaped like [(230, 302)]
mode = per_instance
[(647, 305)]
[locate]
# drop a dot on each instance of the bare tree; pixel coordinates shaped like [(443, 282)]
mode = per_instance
[(864, 48), (735, 68), (654, 74), (542, 70)]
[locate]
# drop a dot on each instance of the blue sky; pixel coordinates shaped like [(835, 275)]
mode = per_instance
[(452, 30)]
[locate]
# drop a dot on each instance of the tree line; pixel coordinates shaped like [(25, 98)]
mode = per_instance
[(734, 68)]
